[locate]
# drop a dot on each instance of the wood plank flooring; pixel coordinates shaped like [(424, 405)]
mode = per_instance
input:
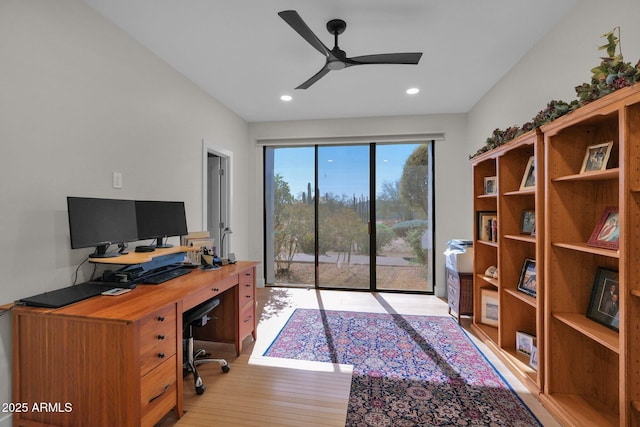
[(256, 394), (278, 392)]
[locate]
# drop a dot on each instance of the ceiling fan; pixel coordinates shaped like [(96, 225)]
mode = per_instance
[(336, 58)]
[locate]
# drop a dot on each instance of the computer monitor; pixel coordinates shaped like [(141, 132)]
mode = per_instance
[(158, 220), (98, 223)]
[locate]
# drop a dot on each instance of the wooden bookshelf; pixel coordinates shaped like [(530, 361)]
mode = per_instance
[(518, 311), (592, 372), (588, 371)]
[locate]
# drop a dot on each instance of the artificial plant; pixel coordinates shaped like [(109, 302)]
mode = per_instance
[(612, 74)]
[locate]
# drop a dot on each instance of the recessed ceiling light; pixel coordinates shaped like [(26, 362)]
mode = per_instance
[(412, 91), (286, 98)]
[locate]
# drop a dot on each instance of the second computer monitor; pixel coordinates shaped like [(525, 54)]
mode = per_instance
[(158, 220)]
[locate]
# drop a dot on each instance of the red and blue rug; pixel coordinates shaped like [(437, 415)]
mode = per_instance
[(407, 370)]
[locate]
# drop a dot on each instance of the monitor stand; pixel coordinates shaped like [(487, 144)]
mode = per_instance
[(101, 252), (156, 244), (159, 243)]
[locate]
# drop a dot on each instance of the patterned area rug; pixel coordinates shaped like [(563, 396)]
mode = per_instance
[(408, 370)]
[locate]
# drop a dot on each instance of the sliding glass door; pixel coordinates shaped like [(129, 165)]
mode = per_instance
[(350, 216)]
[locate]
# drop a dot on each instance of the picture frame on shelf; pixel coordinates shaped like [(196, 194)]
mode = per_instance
[(490, 185), (604, 303), (607, 231), (528, 222), (525, 343), (597, 157), (489, 313), (533, 360), (527, 282), (487, 226), (529, 178)]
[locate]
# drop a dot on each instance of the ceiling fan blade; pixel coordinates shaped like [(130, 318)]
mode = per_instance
[(292, 18), (315, 78), (385, 58)]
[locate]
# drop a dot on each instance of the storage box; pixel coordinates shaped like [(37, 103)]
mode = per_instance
[(459, 293)]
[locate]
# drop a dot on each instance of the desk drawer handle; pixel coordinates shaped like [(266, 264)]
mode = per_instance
[(248, 319), (160, 337), (160, 318), (247, 274), (160, 355), (248, 285), (166, 388), (216, 290), (248, 296)]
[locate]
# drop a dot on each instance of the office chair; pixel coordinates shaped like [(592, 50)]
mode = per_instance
[(198, 316)]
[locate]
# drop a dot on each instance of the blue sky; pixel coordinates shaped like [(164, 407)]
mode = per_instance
[(342, 169)]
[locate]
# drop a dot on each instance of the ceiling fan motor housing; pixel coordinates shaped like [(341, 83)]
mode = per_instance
[(336, 26)]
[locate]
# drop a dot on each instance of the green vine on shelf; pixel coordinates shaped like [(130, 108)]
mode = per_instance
[(612, 74)]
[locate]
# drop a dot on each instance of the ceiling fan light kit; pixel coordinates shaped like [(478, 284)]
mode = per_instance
[(336, 58)]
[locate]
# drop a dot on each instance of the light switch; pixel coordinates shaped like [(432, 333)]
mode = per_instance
[(117, 180)]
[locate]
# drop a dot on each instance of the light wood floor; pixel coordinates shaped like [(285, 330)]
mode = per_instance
[(278, 392)]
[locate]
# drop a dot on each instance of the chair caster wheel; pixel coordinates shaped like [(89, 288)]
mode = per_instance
[(200, 389), (226, 368)]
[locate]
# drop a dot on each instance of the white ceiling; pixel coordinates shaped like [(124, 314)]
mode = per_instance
[(243, 54)]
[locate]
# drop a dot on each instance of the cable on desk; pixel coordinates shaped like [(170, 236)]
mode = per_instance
[(75, 276)]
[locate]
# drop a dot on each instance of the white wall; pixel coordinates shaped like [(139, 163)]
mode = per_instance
[(452, 174), (562, 60), (78, 100)]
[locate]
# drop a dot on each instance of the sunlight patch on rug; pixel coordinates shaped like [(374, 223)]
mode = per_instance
[(407, 370)]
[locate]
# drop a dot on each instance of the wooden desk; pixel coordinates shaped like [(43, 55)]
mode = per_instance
[(117, 361)]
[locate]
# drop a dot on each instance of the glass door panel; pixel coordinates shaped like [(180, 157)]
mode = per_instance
[(343, 217), (404, 217), (290, 220)]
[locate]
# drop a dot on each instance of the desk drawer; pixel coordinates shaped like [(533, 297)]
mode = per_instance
[(246, 287), (247, 320), (158, 334), (208, 291), (158, 392), (246, 293)]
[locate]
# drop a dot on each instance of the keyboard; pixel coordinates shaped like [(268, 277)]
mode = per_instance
[(156, 279), (69, 295)]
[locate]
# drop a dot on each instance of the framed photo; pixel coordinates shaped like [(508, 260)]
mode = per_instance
[(525, 343), (490, 185), (596, 157), (607, 231), (527, 283), (487, 225), (533, 360), (529, 177), (490, 307), (605, 294), (528, 222)]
